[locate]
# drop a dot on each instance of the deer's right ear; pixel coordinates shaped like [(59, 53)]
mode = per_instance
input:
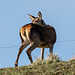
[(39, 15), (31, 17)]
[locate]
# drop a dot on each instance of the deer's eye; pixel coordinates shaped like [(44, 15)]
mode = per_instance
[(36, 21)]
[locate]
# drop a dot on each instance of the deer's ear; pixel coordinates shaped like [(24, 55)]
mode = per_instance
[(39, 15), (32, 17)]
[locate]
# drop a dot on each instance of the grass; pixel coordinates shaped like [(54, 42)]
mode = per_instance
[(51, 66)]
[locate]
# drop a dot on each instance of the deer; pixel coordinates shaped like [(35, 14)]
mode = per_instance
[(38, 36)]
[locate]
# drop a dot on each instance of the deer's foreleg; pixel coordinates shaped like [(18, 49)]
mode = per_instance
[(42, 53), (51, 49)]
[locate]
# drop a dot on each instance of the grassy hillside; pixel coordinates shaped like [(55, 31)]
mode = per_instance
[(47, 67)]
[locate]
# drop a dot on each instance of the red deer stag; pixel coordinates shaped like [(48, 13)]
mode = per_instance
[(41, 36), (40, 21)]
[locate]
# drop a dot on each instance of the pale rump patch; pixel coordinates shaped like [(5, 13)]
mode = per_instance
[(27, 34), (24, 38)]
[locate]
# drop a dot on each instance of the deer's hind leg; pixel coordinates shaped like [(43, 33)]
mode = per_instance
[(30, 49), (24, 45)]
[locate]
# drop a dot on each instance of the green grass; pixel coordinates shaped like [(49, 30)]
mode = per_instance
[(51, 66)]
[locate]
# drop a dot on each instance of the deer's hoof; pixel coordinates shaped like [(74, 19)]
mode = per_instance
[(16, 65)]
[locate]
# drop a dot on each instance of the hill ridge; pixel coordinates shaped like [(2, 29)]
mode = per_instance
[(46, 67)]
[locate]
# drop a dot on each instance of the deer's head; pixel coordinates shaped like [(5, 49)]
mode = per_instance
[(37, 20)]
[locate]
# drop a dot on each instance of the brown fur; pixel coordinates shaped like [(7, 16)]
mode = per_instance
[(41, 36)]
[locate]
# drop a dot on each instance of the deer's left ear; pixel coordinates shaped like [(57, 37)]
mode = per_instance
[(32, 17), (39, 15)]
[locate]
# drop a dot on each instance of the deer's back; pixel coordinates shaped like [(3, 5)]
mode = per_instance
[(45, 33)]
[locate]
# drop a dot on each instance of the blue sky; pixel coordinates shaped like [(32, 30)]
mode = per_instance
[(14, 14)]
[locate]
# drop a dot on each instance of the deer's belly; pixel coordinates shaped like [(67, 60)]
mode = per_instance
[(43, 45)]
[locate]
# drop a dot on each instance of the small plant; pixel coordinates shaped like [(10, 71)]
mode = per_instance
[(53, 58), (38, 60), (73, 58)]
